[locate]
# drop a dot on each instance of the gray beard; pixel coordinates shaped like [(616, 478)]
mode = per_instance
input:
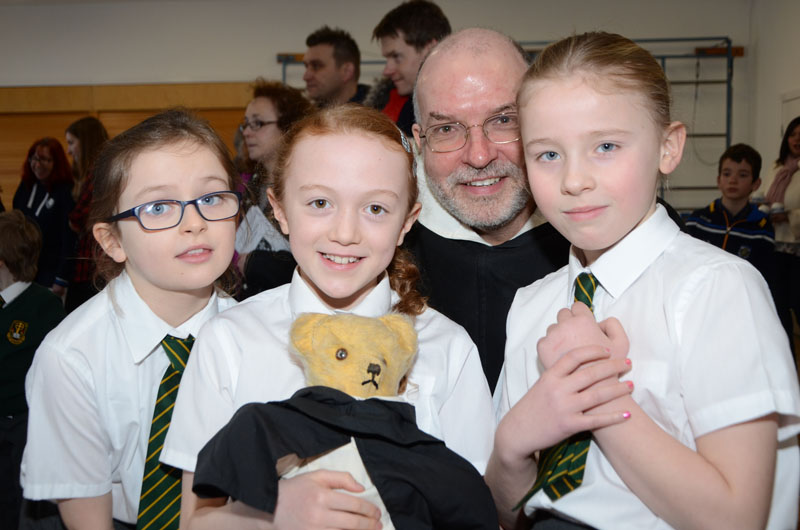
[(518, 201)]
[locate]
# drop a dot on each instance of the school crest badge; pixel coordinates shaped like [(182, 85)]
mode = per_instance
[(16, 333)]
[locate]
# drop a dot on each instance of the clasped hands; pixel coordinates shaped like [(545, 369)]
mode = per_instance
[(576, 391)]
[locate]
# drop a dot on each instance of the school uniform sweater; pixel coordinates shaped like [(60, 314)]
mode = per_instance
[(748, 234), (24, 322)]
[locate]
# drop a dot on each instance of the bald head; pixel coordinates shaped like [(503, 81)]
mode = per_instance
[(470, 81), (462, 53)]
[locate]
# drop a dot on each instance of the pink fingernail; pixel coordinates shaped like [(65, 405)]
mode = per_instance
[(630, 384), (607, 350), (626, 415), (628, 362)]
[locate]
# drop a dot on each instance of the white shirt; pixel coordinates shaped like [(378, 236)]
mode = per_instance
[(91, 392), (707, 352), (13, 291), (242, 356)]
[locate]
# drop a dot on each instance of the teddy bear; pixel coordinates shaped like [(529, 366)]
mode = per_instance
[(350, 418)]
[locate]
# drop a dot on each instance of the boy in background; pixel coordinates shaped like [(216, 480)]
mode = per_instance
[(731, 222), (28, 312)]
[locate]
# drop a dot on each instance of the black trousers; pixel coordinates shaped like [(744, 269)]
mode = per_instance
[(544, 520), (13, 432)]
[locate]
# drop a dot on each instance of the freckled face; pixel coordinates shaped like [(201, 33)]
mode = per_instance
[(593, 158), (345, 210)]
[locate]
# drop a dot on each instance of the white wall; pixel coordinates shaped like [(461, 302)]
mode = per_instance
[(775, 41), (77, 42)]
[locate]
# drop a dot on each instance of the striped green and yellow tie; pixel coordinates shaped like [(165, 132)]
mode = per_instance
[(561, 466), (160, 501)]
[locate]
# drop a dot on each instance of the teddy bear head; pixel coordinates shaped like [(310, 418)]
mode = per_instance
[(363, 357)]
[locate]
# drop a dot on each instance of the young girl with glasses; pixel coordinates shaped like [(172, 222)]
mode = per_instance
[(165, 217), (345, 194)]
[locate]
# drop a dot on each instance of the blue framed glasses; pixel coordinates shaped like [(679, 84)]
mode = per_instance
[(168, 213)]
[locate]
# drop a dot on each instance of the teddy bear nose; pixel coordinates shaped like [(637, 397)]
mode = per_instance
[(373, 369)]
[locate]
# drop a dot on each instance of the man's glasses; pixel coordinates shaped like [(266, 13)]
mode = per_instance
[(448, 137), (255, 124), (160, 215)]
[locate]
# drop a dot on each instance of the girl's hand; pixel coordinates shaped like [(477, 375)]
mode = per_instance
[(553, 408), (310, 501), (576, 328)]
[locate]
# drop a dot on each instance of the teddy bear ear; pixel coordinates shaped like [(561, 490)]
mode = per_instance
[(403, 327), (301, 335)]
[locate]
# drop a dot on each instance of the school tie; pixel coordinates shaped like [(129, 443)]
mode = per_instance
[(160, 501), (561, 466)]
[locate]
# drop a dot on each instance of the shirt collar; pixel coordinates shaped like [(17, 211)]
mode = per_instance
[(143, 330), (439, 221), (619, 267), (13, 291), (302, 299)]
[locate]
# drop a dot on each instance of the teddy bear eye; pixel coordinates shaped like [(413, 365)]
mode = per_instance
[(341, 354)]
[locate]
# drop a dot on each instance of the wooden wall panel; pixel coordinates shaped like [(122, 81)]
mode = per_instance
[(28, 113)]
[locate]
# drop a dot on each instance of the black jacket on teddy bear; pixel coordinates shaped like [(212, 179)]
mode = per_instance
[(422, 483)]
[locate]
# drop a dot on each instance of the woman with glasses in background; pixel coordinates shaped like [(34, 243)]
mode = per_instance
[(45, 196), (264, 257)]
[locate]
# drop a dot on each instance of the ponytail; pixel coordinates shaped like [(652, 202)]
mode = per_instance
[(403, 278)]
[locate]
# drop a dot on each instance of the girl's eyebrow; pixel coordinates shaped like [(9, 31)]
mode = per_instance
[(591, 134), (320, 187), (164, 188)]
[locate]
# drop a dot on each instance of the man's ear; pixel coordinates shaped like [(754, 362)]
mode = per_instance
[(672, 147), (416, 131), (428, 47), (277, 210), (756, 185), (411, 218), (109, 241), (347, 72)]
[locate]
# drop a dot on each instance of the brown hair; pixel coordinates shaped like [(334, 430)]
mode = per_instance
[(345, 49), (91, 135), (606, 56), (112, 171), (20, 245), (290, 103), (420, 21), (356, 119)]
